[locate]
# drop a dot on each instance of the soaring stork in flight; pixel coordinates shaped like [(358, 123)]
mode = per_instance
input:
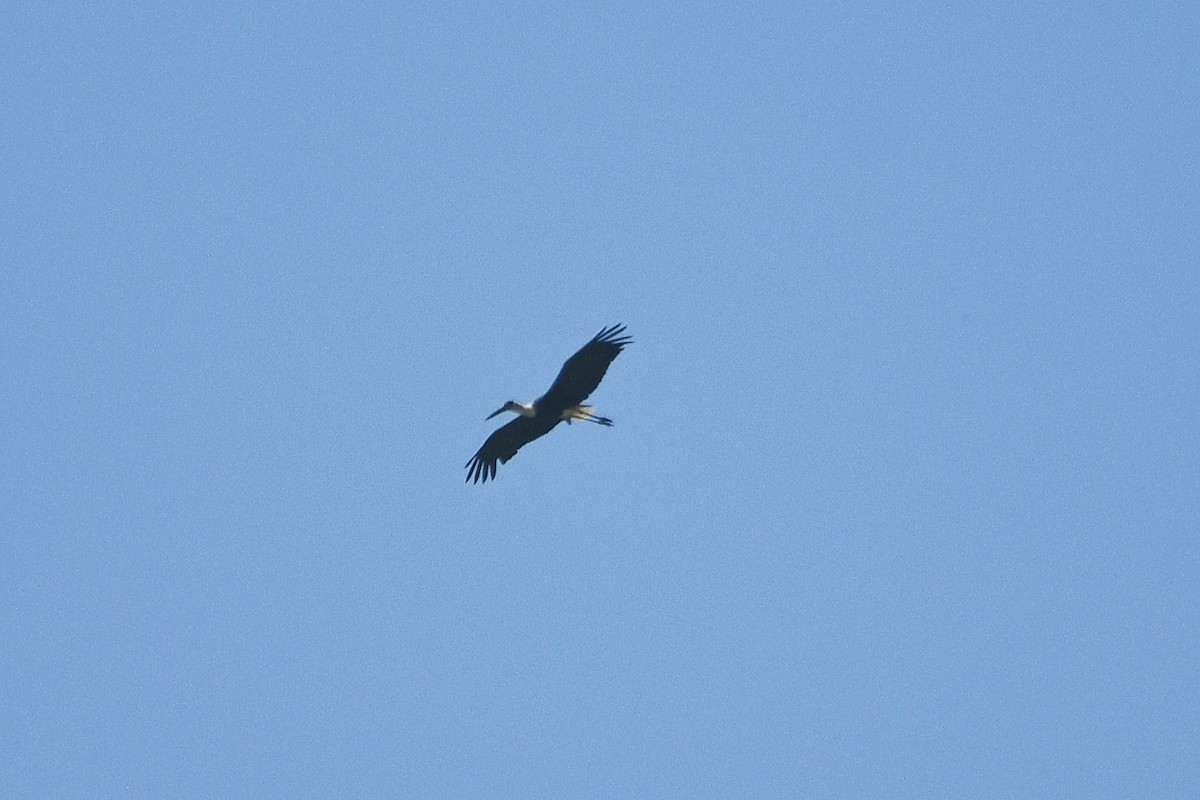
[(578, 378)]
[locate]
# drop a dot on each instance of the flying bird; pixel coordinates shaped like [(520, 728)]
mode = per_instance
[(577, 379)]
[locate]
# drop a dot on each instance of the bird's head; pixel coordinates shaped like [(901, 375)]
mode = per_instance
[(511, 405)]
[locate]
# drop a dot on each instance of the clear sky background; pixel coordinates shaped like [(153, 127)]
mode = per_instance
[(903, 496)]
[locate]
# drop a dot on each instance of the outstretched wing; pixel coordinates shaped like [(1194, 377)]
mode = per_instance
[(504, 443), (583, 371)]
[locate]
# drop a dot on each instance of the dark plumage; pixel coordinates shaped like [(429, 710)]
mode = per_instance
[(577, 379), (504, 444)]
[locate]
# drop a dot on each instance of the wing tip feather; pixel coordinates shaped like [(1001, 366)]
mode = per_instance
[(613, 335)]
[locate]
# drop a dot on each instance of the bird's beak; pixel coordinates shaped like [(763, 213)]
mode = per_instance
[(499, 410)]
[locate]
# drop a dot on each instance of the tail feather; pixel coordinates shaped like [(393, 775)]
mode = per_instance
[(584, 414)]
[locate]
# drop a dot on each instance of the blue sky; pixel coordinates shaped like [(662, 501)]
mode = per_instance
[(902, 496)]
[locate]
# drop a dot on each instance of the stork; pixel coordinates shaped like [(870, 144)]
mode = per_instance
[(578, 378)]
